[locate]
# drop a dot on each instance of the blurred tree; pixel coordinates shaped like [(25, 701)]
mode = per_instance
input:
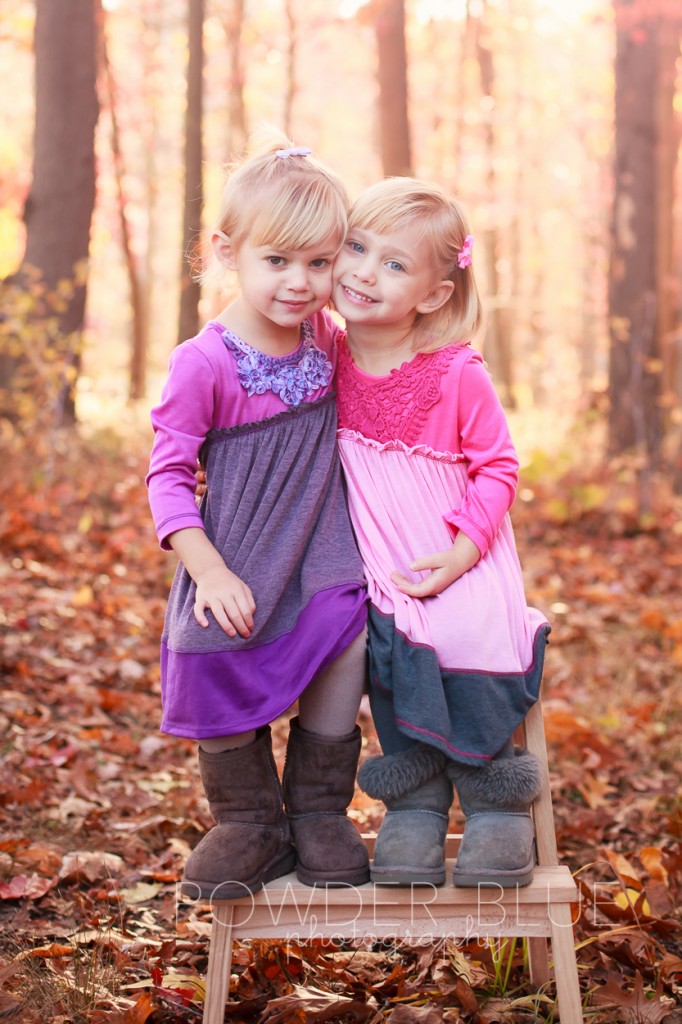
[(497, 340), (291, 85), (154, 12), (389, 28), (669, 239), (190, 289), (237, 128), (59, 206), (138, 296), (641, 258)]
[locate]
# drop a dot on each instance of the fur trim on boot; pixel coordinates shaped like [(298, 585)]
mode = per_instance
[(498, 844), (393, 776)]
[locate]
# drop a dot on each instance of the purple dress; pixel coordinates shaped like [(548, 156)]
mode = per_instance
[(275, 508)]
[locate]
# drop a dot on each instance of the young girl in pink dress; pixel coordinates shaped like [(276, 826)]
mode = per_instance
[(456, 654), (268, 604)]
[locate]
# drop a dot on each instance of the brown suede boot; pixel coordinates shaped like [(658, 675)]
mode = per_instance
[(319, 781), (251, 842)]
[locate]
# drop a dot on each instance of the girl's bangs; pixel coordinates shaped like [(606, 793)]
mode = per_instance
[(290, 232), (300, 217)]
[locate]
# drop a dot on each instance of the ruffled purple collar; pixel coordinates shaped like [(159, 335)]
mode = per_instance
[(293, 378)]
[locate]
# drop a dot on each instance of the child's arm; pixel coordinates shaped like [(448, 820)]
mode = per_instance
[(492, 462), (218, 588), (492, 467), (181, 422)]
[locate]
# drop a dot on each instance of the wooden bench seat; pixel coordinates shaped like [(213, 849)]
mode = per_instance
[(540, 912)]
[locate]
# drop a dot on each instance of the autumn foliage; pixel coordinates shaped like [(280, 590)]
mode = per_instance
[(98, 810)]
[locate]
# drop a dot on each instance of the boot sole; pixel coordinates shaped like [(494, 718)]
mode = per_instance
[(332, 879), (406, 876), (499, 879), (234, 889)]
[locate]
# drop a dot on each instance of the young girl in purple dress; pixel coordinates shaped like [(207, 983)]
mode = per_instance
[(268, 604), (456, 654)]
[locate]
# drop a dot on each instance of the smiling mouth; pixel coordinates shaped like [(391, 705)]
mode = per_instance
[(357, 296)]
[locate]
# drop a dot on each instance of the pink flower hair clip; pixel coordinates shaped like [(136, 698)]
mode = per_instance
[(464, 254), (294, 151)]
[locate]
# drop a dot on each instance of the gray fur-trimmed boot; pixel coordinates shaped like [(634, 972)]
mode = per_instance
[(498, 847), (410, 846), (250, 843), (318, 783)]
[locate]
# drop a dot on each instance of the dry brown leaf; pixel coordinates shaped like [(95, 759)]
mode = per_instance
[(624, 869), (55, 949), (652, 859), (30, 887), (636, 1006), (306, 1003), (90, 865), (405, 1014)]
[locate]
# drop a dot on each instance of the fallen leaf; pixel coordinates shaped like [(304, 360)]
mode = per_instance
[(624, 869), (306, 1003), (637, 1006), (55, 949), (30, 887), (141, 892), (404, 1014), (633, 900), (652, 859), (595, 791), (90, 865)]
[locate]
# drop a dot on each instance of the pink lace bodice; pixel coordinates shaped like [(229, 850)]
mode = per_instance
[(391, 407)]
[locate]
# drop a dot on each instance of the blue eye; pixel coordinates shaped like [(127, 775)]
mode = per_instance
[(355, 246), (394, 265)]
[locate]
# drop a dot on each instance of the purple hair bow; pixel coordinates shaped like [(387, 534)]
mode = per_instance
[(294, 151)]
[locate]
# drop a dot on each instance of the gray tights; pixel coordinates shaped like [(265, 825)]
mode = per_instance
[(329, 704)]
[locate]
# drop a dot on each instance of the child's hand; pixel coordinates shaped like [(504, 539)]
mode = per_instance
[(201, 483), (229, 599), (447, 566)]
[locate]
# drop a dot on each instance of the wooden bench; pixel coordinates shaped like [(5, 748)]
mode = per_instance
[(540, 912)]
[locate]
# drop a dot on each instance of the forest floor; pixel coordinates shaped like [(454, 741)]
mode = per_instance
[(98, 811)]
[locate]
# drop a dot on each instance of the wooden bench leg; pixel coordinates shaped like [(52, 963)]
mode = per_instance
[(565, 966), (219, 963), (538, 961)]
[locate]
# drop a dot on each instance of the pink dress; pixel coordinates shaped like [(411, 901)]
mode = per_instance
[(426, 452)]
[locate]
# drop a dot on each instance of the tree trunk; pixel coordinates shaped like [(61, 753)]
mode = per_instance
[(237, 129), (61, 200), (138, 353), (497, 342), (669, 242), (290, 90), (389, 27), (634, 313), (190, 289), (153, 16)]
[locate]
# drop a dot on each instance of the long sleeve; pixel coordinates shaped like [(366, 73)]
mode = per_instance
[(181, 422), (492, 463), (203, 391)]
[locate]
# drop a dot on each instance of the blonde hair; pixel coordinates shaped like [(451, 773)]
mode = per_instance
[(398, 202), (290, 202)]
